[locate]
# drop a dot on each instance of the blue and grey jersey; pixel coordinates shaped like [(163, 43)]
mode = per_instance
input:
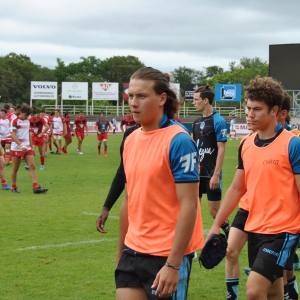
[(207, 132)]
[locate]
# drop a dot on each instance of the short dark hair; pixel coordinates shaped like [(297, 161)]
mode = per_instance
[(25, 108), (206, 92)]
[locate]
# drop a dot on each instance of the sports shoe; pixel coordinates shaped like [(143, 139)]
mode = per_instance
[(42, 168), (45, 154), (63, 150), (52, 152), (105, 154), (6, 187), (15, 191), (80, 152), (26, 168), (39, 190)]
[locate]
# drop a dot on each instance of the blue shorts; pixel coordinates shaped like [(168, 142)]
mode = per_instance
[(139, 270)]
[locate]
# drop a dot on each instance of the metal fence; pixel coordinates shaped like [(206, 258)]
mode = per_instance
[(120, 111)]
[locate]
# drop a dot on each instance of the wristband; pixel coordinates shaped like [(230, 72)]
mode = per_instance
[(171, 266)]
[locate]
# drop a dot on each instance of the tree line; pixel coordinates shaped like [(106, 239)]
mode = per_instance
[(17, 71)]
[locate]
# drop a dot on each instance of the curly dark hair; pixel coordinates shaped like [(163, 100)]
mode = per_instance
[(286, 103), (161, 85), (265, 89)]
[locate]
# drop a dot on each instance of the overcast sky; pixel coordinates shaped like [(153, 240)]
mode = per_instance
[(164, 34)]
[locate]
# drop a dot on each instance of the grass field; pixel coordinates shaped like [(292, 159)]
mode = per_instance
[(50, 248)]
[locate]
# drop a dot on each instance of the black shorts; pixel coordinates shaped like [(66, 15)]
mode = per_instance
[(212, 195), (139, 270), (269, 254), (240, 219)]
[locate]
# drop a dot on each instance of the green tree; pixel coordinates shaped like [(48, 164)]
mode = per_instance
[(23, 71), (247, 70), (184, 75), (7, 84), (212, 71), (119, 69)]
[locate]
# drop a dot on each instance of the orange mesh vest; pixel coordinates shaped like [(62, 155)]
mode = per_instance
[(153, 206), (274, 202)]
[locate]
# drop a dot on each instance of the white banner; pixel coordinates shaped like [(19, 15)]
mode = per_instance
[(176, 88), (241, 129), (43, 90), (74, 91), (105, 91)]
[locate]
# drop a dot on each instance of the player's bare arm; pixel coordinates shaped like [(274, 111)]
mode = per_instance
[(215, 179), (297, 179), (167, 278), (46, 127), (231, 199), (65, 129)]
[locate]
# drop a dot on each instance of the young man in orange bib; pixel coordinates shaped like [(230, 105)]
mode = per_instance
[(269, 171), (160, 221)]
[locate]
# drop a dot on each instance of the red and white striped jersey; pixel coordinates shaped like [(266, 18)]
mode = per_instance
[(4, 129)]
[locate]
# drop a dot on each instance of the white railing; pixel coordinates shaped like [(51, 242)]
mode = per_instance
[(120, 111)]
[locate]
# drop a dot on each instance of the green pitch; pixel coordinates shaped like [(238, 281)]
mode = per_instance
[(50, 248)]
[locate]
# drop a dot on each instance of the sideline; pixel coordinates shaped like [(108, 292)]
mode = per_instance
[(67, 244), (95, 214)]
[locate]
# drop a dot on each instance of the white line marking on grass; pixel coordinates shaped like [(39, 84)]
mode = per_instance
[(95, 214), (67, 244)]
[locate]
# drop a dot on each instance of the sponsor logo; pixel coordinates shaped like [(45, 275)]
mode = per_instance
[(271, 252), (204, 151), (74, 85), (74, 97), (188, 162), (44, 86), (224, 132), (105, 86), (271, 162), (228, 92), (202, 125)]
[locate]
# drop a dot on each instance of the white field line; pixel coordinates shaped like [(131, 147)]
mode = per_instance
[(67, 244), (97, 214)]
